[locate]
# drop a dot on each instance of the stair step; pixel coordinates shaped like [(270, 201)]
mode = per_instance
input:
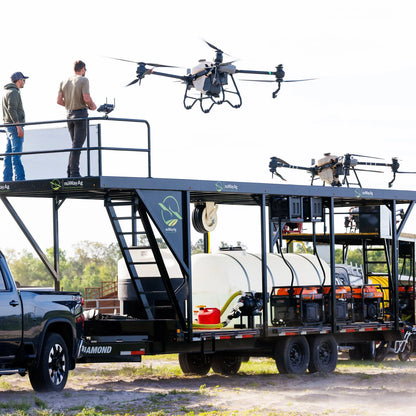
[(137, 248)]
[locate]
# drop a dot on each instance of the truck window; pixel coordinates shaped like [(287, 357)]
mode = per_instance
[(2, 282)]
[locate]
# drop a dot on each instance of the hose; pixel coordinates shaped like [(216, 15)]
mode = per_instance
[(230, 299), (223, 309)]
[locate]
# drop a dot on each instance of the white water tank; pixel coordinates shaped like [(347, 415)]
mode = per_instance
[(215, 277)]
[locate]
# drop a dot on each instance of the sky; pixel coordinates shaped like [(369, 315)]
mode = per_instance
[(361, 52)]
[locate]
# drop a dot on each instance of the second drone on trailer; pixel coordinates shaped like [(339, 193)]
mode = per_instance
[(335, 170), (210, 80)]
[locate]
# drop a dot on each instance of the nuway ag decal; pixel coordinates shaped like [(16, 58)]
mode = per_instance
[(102, 349)]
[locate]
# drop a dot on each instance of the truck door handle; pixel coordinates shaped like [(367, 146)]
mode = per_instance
[(14, 303)]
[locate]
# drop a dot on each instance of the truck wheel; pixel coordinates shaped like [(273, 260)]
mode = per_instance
[(292, 355), (226, 364), (194, 363), (51, 370), (324, 354)]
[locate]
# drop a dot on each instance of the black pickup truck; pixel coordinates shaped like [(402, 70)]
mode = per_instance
[(40, 332)]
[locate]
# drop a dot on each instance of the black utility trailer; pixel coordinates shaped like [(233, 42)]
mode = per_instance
[(301, 326)]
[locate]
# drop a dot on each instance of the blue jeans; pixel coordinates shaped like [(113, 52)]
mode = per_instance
[(14, 145)]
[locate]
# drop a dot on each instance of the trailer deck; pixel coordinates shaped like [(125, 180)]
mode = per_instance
[(159, 316)]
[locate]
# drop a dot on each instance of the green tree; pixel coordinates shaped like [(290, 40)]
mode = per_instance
[(92, 263)]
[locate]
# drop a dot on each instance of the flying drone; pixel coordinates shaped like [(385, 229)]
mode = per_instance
[(210, 79), (335, 170)]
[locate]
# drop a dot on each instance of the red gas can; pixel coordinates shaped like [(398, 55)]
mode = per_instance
[(209, 316)]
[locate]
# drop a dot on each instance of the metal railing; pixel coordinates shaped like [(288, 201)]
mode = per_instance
[(88, 148)]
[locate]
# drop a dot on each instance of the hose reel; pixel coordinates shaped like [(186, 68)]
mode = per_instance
[(204, 217)]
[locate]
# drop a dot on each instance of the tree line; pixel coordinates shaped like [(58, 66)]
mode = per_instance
[(93, 262)]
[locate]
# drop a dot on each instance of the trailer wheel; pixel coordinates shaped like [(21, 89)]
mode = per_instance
[(382, 349), (292, 355), (405, 355), (363, 351), (226, 364), (323, 354), (51, 370), (194, 363)]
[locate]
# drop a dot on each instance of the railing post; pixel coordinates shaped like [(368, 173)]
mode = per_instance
[(100, 167), (88, 149)]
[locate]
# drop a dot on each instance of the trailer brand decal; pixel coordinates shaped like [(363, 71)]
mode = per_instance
[(170, 212), (77, 183), (4, 187), (105, 349), (226, 187), (57, 184), (363, 194)]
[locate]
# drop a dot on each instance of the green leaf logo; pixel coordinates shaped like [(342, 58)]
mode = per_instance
[(56, 184), (170, 211)]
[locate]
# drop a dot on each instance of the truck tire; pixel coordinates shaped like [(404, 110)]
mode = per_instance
[(51, 371), (194, 363), (292, 355), (226, 364), (323, 354)]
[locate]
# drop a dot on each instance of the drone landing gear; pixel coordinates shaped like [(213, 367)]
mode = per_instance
[(345, 180), (189, 101)]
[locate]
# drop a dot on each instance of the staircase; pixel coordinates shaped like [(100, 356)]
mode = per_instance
[(156, 296)]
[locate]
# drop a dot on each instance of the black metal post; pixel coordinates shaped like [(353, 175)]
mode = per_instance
[(332, 264), (55, 207), (264, 262), (394, 265)]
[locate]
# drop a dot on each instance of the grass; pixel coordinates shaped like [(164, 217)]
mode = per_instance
[(177, 401)]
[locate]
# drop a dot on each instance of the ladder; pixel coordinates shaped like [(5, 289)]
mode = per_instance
[(156, 297), (385, 260)]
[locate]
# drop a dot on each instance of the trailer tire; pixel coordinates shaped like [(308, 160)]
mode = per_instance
[(382, 350), (292, 355), (323, 354), (363, 351), (51, 371), (226, 364), (194, 363)]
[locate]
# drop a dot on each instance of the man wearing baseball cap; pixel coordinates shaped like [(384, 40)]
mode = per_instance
[(13, 113)]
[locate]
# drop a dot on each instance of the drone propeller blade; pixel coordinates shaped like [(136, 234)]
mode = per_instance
[(404, 172), (299, 80), (282, 161), (212, 46), (133, 82), (215, 48), (259, 80), (159, 65), (144, 63), (123, 60), (280, 80), (368, 157), (369, 170)]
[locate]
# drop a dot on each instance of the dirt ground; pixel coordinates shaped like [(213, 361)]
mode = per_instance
[(156, 386)]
